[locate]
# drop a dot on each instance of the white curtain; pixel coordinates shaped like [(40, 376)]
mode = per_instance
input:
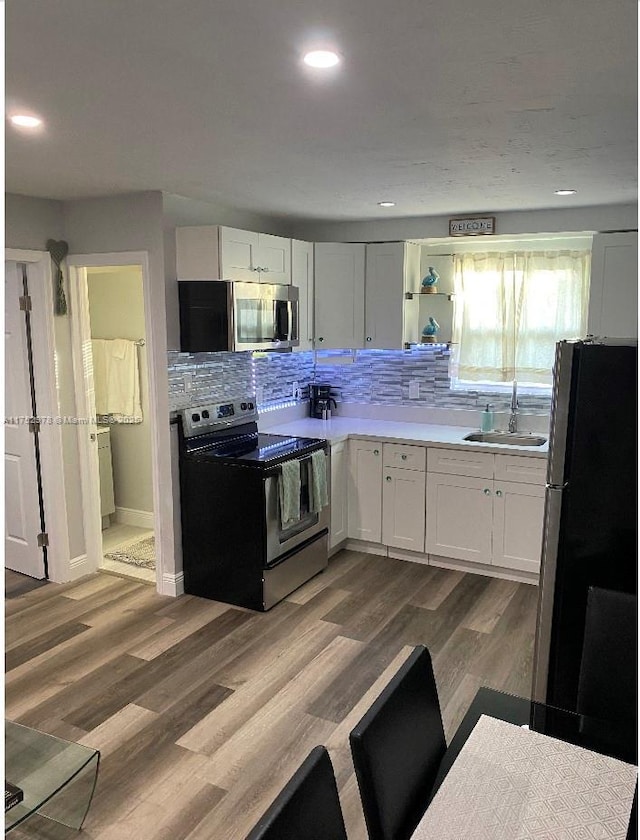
[(512, 308)]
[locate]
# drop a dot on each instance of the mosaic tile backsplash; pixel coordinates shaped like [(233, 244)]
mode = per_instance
[(376, 376)]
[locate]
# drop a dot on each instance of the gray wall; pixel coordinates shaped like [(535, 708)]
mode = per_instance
[(29, 222), (605, 217)]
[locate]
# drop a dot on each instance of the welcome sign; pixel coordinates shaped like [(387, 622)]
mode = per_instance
[(474, 226)]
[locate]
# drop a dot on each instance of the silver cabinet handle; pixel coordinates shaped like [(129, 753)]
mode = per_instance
[(404, 457), (487, 492), (92, 437), (264, 268), (498, 492), (257, 268), (388, 478), (369, 338), (320, 338), (376, 451)]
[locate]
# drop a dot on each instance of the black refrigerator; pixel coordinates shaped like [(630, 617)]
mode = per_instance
[(590, 530)]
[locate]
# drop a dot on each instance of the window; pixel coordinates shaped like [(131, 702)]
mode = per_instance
[(511, 309)]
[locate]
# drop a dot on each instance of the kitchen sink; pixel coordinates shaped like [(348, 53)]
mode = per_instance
[(507, 438)]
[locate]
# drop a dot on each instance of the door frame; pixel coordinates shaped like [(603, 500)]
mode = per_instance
[(89, 475), (40, 279)]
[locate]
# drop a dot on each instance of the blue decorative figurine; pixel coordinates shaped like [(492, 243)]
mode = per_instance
[(430, 332), (430, 281)]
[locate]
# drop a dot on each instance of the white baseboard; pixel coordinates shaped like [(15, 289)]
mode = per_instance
[(139, 518), (79, 566), (481, 569), (411, 556), (172, 584), (367, 547)]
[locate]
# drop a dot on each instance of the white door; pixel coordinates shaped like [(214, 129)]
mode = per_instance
[(274, 259), (365, 490), (22, 505), (339, 295), (459, 517), (403, 508), (384, 296), (239, 258), (518, 514), (338, 530), (302, 279)]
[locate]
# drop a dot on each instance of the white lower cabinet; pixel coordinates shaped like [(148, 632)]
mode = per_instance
[(364, 489), (486, 520), (518, 518), (338, 526), (403, 510), (459, 517)]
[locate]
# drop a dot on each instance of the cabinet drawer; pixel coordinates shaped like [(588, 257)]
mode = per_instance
[(404, 457), (522, 469), (460, 462)]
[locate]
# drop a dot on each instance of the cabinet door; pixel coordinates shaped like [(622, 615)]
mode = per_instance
[(339, 295), (338, 528), (613, 296), (384, 296), (518, 513), (403, 508), (239, 254), (459, 517), (365, 490), (302, 278), (197, 253), (274, 259)]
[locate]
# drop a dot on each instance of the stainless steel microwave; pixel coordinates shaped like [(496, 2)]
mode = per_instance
[(228, 315)]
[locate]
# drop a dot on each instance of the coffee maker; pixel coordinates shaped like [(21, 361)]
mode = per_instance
[(321, 401)]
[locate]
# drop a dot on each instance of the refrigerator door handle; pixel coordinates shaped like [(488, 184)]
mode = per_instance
[(552, 513), (562, 370)]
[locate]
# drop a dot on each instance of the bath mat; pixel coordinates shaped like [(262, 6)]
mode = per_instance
[(140, 553)]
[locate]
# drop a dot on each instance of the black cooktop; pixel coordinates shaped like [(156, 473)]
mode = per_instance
[(260, 450)]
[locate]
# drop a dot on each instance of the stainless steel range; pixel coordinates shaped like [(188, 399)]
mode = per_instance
[(235, 546)]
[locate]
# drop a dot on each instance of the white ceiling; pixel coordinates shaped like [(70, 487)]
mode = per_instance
[(443, 107)]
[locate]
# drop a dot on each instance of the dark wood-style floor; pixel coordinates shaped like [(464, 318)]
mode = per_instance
[(202, 711)]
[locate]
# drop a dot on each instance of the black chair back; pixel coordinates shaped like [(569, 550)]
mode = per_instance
[(607, 688), (307, 808), (397, 748)]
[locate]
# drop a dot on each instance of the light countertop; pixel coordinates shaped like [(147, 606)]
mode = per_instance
[(340, 428)]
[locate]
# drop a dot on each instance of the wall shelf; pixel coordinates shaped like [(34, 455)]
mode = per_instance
[(427, 295)]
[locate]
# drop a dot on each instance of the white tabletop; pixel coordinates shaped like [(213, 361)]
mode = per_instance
[(509, 783)]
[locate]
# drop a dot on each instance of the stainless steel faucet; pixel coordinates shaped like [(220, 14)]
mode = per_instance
[(513, 418)]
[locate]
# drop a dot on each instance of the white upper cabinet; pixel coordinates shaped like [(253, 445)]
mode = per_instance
[(339, 295), (392, 269), (274, 259), (613, 296), (239, 255), (211, 252), (302, 277)]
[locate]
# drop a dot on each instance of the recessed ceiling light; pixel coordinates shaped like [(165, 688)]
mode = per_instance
[(321, 58), (26, 121), (566, 192), (386, 204)]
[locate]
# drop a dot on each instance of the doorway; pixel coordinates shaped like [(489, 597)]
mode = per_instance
[(116, 395), (121, 395)]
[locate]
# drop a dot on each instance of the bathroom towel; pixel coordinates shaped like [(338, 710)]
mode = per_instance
[(318, 483), (289, 493), (117, 380)]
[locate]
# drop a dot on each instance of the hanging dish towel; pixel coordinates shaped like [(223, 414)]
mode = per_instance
[(318, 484), (289, 493), (117, 380)]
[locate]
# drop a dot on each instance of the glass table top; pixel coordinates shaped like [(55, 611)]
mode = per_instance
[(42, 766)]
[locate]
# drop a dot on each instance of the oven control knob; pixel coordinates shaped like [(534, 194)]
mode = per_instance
[(205, 415), (195, 417), (249, 405), (243, 406)]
